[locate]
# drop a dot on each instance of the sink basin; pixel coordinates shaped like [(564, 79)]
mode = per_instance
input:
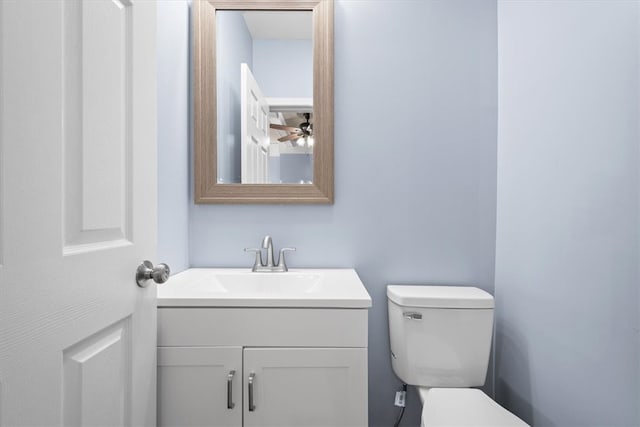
[(230, 287), (270, 283)]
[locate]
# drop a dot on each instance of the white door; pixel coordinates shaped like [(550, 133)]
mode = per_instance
[(200, 386), (78, 212), (254, 121), (300, 387)]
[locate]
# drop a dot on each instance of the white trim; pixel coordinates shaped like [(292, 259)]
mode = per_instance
[(300, 105)]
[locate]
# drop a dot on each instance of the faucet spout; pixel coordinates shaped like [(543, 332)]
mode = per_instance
[(267, 244)]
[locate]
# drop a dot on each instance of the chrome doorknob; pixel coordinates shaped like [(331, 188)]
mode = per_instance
[(146, 271)]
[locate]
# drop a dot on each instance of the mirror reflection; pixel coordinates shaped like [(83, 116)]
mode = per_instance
[(264, 97)]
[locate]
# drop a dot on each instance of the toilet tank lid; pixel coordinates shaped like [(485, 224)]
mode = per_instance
[(439, 296)]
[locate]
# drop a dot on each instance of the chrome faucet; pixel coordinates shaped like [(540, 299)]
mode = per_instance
[(267, 243), (270, 266)]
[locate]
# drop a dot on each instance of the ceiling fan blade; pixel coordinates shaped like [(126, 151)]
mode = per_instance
[(291, 137), (283, 127)]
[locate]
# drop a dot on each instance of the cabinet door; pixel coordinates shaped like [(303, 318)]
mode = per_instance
[(305, 387), (193, 386)]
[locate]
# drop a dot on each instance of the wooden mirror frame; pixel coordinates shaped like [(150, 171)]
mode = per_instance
[(207, 189)]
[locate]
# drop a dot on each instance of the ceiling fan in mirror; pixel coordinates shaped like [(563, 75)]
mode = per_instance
[(304, 130)]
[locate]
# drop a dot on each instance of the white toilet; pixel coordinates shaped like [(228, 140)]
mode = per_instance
[(440, 342)]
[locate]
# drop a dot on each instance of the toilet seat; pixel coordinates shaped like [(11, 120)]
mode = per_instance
[(446, 407)]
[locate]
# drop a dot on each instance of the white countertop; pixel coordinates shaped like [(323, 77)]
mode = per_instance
[(237, 287)]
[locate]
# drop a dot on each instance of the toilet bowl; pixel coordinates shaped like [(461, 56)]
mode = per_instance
[(440, 342), (449, 407)]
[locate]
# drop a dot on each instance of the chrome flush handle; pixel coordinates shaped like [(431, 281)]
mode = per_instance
[(412, 315)]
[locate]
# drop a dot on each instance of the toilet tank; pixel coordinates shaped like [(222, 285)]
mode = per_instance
[(440, 335)]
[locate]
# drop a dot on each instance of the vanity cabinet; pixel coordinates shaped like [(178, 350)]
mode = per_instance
[(262, 367), (305, 387), (192, 386)]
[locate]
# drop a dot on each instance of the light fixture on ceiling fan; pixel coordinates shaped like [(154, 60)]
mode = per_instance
[(304, 130)]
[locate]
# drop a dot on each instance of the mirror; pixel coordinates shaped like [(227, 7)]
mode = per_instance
[(263, 92), (264, 65)]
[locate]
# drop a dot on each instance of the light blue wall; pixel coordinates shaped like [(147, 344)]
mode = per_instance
[(419, 206), (233, 47), (284, 68), (415, 177), (568, 214), (296, 167), (173, 134), (274, 169)]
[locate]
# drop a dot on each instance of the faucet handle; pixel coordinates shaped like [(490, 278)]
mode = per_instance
[(281, 261), (258, 262)]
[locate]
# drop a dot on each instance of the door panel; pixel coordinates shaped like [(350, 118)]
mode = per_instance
[(98, 71), (193, 386), (306, 387), (78, 141), (255, 130), (90, 398)]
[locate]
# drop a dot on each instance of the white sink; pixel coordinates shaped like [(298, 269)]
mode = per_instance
[(270, 283), (231, 287)]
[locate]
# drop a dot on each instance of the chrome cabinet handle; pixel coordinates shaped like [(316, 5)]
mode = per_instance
[(412, 315), (252, 406), (230, 404), (146, 271)]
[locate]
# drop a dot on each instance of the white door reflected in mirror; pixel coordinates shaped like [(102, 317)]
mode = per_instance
[(264, 97)]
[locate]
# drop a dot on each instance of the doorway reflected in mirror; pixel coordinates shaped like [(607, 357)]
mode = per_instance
[(291, 147)]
